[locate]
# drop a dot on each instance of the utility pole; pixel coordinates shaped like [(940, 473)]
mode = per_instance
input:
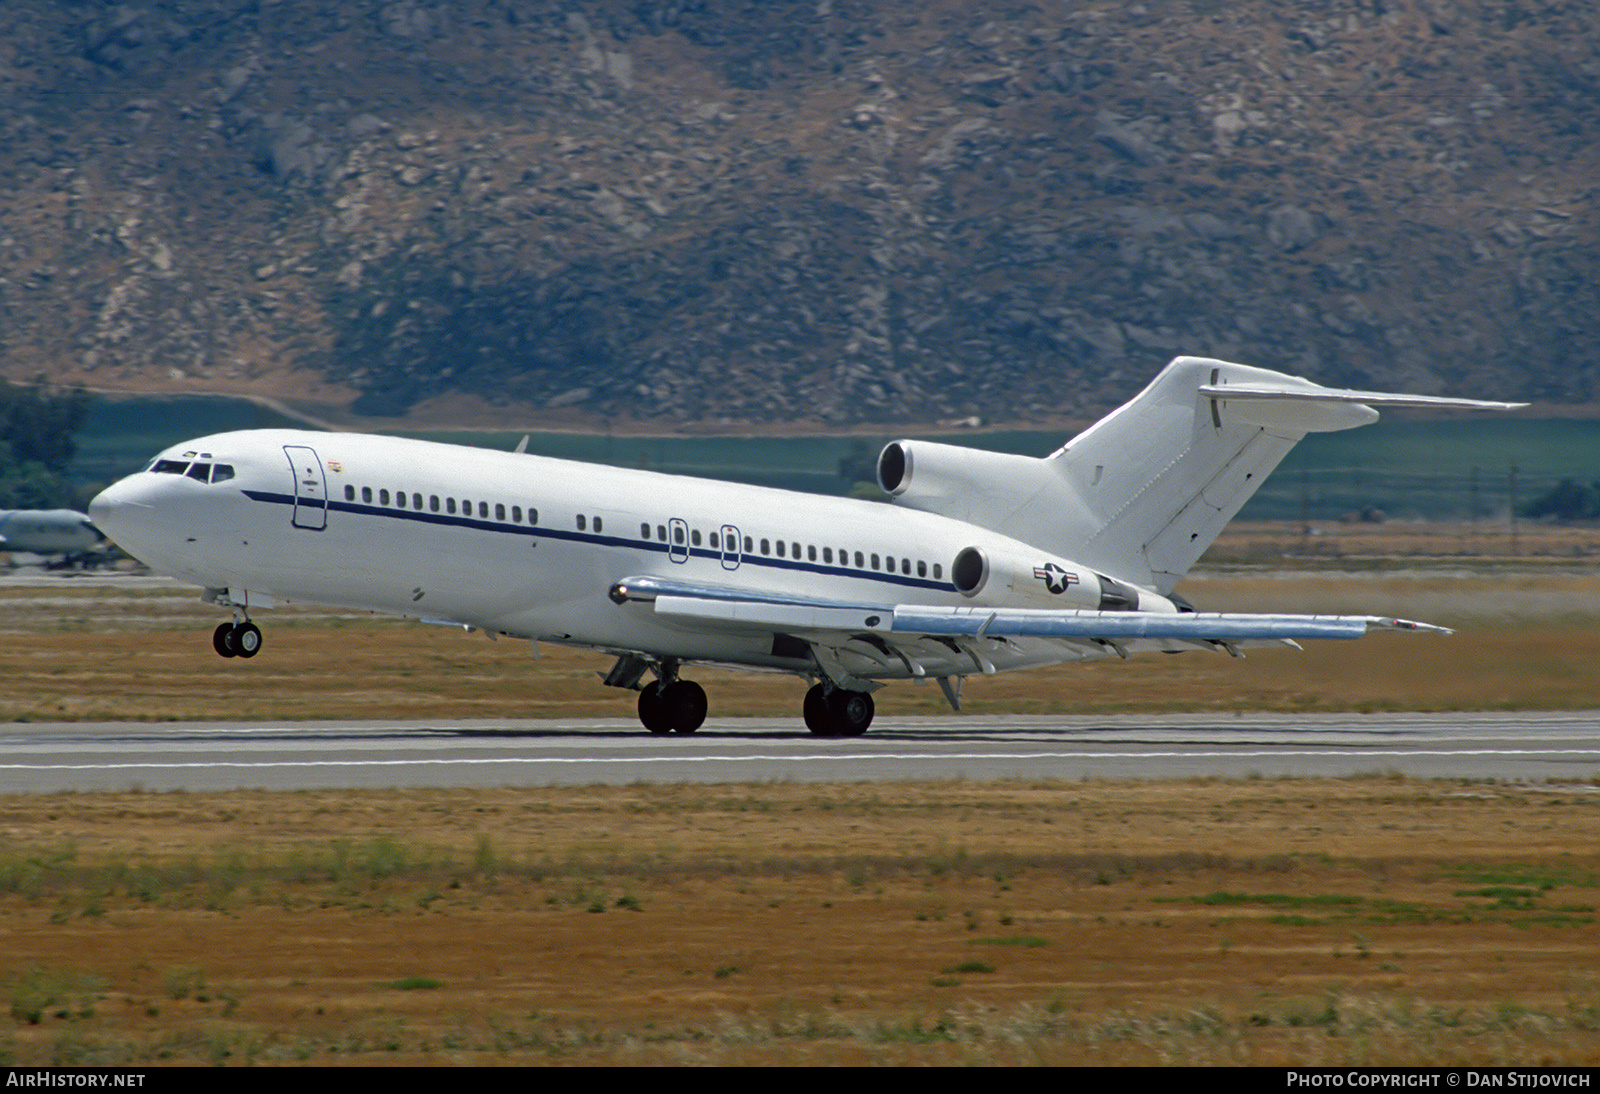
[(1474, 510), (1513, 478)]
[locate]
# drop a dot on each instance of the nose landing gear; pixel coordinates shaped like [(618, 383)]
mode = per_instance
[(240, 639)]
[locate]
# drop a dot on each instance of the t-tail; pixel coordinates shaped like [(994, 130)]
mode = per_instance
[(1143, 493)]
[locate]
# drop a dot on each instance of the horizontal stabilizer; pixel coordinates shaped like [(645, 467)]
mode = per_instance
[(1341, 395)]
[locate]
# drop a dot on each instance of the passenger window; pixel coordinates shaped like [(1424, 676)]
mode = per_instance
[(938, 571), (747, 547), (466, 507), (533, 516), (644, 531), (366, 495), (922, 568), (598, 525), (400, 499), (694, 537), (827, 555), (349, 493), (516, 514), (677, 534), (499, 511), (661, 532), (222, 472), (905, 566), (583, 523), (433, 502), (483, 510), (449, 505), (811, 553), (859, 563), (714, 540), (766, 547), (383, 497)]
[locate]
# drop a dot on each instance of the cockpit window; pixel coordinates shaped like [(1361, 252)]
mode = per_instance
[(198, 471)]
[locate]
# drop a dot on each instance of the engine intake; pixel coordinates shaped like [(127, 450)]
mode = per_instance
[(970, 573)]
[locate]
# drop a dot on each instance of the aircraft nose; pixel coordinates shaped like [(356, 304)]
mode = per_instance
[(119, 509)]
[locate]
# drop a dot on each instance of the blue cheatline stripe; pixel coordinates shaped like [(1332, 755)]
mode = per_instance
[(540, 531)]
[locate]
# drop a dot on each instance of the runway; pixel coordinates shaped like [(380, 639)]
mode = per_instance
[(207, 756)]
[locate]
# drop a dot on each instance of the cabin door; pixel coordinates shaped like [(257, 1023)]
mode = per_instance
[(310, 487)]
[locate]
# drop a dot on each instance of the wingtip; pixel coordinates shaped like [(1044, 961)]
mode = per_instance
[(1409, 625)]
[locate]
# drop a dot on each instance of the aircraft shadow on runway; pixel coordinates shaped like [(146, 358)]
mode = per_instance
[(960, 731)]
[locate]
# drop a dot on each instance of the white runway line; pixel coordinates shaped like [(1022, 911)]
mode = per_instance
[(821, 757)]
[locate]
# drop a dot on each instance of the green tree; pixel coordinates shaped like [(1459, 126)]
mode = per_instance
[(1566, 501), (37, 442)]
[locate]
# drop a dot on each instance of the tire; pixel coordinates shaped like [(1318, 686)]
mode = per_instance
[(222, 641), (247, 639), (685, 701), (851, 712), (816, 712), (652, 710)]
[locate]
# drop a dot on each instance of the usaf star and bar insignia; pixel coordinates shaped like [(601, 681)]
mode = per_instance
[(1054, 577)]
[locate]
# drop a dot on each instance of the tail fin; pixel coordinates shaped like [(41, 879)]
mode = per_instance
[(1143, 492)]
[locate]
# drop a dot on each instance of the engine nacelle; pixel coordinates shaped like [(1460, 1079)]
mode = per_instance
[(964, 483), (1007, 578)]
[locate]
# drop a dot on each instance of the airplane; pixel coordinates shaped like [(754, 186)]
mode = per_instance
[(65, 532), (982, 562)]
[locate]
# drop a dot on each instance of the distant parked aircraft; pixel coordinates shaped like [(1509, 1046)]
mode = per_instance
[(66, 533), (984, 562)]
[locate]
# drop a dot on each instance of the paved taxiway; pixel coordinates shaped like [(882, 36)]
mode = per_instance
[(39, 757)]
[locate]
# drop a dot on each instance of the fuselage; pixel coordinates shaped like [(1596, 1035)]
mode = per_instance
[(531, 546)]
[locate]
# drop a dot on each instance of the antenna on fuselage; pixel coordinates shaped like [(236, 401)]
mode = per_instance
[(522, 445)]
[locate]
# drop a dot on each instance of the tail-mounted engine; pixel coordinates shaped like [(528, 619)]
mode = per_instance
[(1005, 577), (963, 483)]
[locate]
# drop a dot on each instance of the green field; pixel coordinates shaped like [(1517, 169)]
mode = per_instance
[(1438, 469)]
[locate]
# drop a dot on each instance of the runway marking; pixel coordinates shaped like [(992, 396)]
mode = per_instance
[(812, 757)]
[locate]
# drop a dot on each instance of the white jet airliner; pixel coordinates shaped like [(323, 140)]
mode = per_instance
[(983, 562)]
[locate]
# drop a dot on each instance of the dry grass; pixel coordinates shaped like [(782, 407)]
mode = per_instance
[(1525, 641), (1375, 920)]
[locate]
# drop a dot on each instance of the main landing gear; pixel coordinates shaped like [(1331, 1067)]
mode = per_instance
[(242, 639), (836, 712), (672, 706), (668, 704)]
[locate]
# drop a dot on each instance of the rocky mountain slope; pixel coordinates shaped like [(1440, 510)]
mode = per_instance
[(725, 213)]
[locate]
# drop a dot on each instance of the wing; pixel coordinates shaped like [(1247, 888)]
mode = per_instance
[(857, 643)]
